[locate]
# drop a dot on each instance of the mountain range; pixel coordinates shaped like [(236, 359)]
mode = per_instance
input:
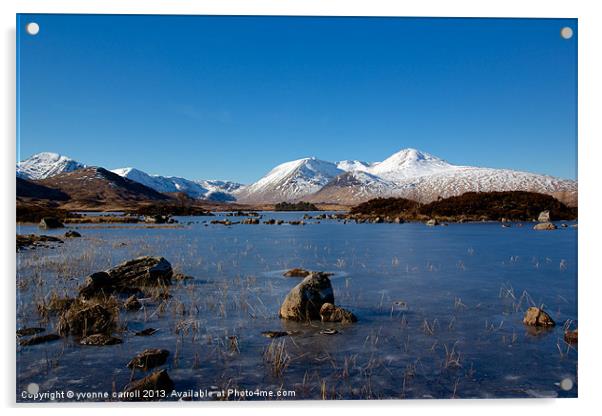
[(408, 173)]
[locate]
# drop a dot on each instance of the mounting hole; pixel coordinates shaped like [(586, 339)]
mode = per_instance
[(32, 28), (566, 384), (566, 32)]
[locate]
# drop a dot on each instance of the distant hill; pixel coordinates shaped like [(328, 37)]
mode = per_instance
[(470, 206), (29, 189), (515, 205), (93, 187)]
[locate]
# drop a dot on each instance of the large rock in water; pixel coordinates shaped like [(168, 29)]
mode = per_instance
[(538, 317), (304, 301), (48, 223), (544, 216), (129, 276)]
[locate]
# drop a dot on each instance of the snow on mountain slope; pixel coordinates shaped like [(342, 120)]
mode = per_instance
[(212, 190), (290, 181), (353, 165), (45, 165), (163, 183), (463, 179), (409, 163), (453, 181)]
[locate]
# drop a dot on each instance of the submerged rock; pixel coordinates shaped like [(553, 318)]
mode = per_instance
[(83, 319), (570, 336), (296, 272), (149, 358), (147, 332), (538, 317), (50, 223), (72, 234), (329, 331), (331, 313), (33, 241), (38, 339), (278, 334), (545, 226), (129, 276), (100, 339), (157, 381), (304, 301), (25, 332)]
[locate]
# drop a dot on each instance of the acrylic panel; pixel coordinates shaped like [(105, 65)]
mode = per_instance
[(295, 208)]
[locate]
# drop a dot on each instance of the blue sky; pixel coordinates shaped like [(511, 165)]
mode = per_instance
[(230, 97)]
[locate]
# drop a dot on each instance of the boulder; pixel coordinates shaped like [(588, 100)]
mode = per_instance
[(157, 381), (544, 216), (545, 226), (50, 223), (129, 276), (250, 221), (296, 272), (84, 319), (100, 339), (304, 301), (331, 313), (432, 222), (72, 234), (538, 317), (149, 358)]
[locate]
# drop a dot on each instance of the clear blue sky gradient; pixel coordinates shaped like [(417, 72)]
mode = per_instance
[(231, 97)]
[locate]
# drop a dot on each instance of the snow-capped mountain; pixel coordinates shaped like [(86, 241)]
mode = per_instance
[(44, 165), (408, 173), (290, 181), (163, 184), (211, 190), (409, 163)]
